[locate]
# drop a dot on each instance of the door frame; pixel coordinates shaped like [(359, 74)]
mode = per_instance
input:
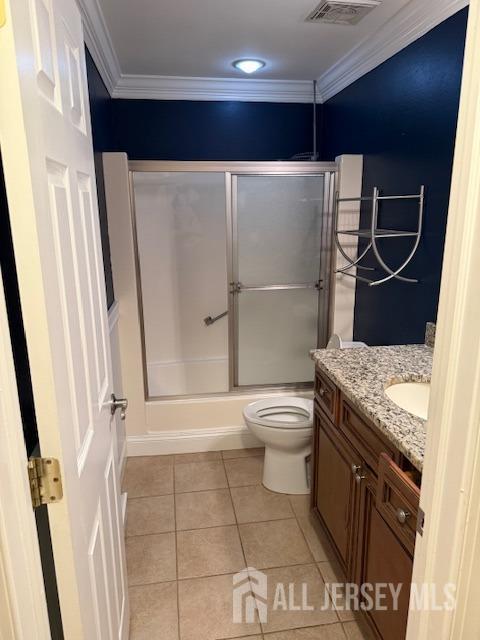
[(231, 171), (23, 602), (451, 487), (449, 551)]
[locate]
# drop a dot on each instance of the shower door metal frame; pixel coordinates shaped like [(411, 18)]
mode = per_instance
[(323, 285), (326, 276)]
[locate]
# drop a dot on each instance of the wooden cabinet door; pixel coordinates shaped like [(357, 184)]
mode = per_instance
[(382, 559), (335, 486)]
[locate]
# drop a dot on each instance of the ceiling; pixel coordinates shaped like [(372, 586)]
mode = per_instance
[(201, 38), (184, 49)]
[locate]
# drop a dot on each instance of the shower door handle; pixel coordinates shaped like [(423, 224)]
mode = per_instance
[(237, 287), (209, 320)]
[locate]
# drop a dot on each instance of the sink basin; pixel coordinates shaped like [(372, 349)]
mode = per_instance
[(411, 396)]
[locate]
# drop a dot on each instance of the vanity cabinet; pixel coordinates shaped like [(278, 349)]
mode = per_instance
[(366, 499), (335, 486)]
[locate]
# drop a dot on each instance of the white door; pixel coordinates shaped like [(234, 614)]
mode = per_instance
[(46, 146)]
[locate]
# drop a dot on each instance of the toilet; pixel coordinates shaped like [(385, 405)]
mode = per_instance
[(284, 425)]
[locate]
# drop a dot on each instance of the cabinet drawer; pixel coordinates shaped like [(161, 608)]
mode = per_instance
[(397, 501), (363, 437), (326, 395)]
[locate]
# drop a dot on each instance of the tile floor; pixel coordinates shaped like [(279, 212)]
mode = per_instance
[(194, 520)]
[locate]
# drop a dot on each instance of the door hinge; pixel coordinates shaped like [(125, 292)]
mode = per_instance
[(45, 481)]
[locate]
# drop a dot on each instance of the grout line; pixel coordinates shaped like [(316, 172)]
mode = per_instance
[(241, 542), (302, 532), (153, 495), (200, 490), (235, 515), (253, 455), (146, 535), (218, 526), (317, 562), (176, 554), (162, 495), (228, 573), (267, 634), (179, 463), (231, 524)]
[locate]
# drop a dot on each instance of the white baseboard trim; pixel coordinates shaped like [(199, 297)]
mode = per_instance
[(191, 441)]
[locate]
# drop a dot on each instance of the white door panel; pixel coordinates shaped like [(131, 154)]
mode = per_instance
[(49, 170)]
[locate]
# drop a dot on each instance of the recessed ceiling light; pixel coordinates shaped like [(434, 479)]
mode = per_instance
[(248, 65)]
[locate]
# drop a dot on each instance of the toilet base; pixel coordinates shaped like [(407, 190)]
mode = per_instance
[(286, 471)]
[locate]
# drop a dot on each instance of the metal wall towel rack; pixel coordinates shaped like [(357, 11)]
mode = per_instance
[(373, 234)]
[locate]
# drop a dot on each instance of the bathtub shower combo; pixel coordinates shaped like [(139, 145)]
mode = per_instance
[(234, 270), (234, 273)]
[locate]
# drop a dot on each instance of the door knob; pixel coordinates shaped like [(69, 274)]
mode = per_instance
[(118, 403)]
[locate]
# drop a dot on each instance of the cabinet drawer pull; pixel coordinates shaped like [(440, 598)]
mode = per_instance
[(402, 515)]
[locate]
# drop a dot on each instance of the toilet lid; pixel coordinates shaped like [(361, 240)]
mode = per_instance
[(282, 413)]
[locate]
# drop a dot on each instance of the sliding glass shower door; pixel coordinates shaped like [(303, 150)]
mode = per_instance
[(181, 248), (277, 241), (233, 269)]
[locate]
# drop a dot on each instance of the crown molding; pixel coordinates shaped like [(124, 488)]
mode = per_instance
[(99, 43), (410, 23), (179, 88)]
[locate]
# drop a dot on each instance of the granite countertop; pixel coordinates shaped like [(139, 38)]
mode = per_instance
[(363, 373)]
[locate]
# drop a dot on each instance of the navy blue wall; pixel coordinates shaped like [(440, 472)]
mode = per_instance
[(402, 116), (100, 103), (189, 130)]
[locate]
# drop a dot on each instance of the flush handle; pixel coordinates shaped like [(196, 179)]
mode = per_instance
[(118, 403)]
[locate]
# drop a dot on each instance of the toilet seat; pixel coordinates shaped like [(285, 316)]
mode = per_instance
[(281, 413)]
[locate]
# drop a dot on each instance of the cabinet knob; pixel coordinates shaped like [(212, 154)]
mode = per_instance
[(359, 478), (402, 515), (321, 392), (355, 468)]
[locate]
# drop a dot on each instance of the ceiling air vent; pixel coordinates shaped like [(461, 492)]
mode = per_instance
[(342, 11)]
